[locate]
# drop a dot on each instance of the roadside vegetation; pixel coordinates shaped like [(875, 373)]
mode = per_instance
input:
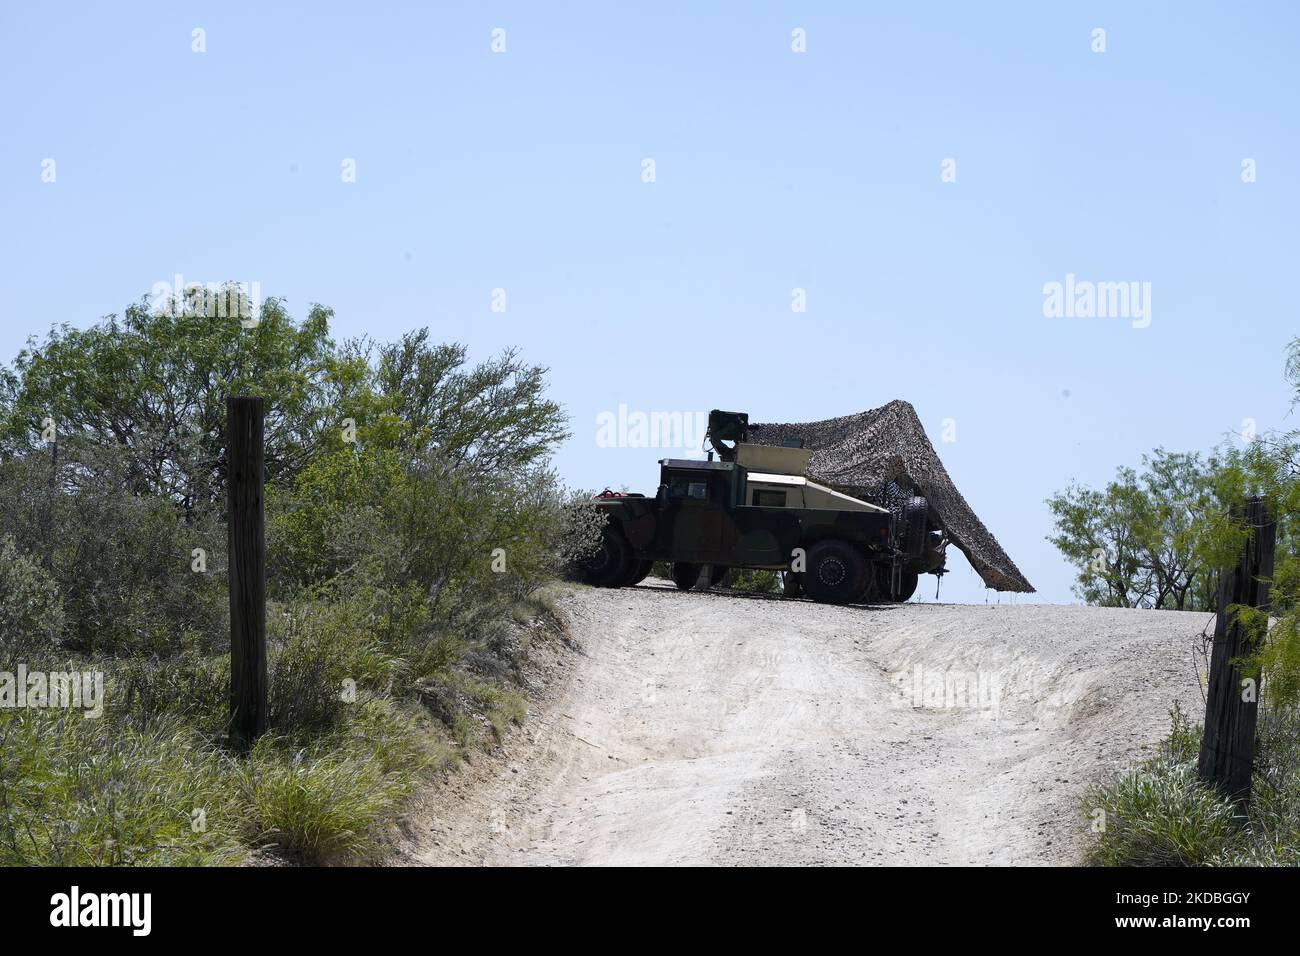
[(1159, 540), (756, 581), (1160, 814), (746, 580), (413, 528)]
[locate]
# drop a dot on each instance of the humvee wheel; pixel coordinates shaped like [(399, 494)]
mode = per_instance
[(873, 588), (837, 572), (711, 575), (609, 566), (639, 570), (685, 575), (906, 586), (790, 586)]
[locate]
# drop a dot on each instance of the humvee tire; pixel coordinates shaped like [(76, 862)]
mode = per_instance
[(717, 573), (916, 513), (790, 586), (906, 585), (837, 572), (876, 584), (637, 574), (608, 567), (686, 574)]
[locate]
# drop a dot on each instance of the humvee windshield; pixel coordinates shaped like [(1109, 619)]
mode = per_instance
[(681, 486)]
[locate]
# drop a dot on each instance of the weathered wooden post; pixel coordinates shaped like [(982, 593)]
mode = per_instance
[(245, 454), (1228, 745)]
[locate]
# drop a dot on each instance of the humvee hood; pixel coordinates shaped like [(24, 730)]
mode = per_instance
[(859, 454)]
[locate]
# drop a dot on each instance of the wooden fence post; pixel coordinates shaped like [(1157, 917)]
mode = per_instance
[(245, 478), (1228, 745)]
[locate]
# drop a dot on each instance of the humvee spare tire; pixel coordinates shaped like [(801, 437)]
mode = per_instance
[(916, 513), (686, 574), (836, 572)]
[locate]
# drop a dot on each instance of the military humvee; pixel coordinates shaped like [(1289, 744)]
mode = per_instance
[(754, 507)]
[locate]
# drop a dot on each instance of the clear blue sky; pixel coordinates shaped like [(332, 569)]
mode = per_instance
[(774, 170)]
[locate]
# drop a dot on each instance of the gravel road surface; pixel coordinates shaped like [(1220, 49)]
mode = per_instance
[(721, 728)]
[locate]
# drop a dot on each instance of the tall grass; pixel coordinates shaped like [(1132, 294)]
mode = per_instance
[(149, 783), (95, 792), (1160, 814)]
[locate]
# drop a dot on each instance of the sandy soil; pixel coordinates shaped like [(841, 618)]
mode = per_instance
[(714, 728)]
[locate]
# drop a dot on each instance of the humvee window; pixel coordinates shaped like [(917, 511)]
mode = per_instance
[(681, 487), (768, 499)]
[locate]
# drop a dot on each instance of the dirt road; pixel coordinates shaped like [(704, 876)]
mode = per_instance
[(720, 728)]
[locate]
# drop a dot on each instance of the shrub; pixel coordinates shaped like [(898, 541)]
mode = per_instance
[(31, 610), (325, 652), (122, 562), (757, 582), (1183, 745)]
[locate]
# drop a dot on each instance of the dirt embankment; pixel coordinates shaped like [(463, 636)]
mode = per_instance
[(709, 728)]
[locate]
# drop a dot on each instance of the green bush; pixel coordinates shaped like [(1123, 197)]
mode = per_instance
[(325, 652), (31, 610), (123, 563), (756, 581)]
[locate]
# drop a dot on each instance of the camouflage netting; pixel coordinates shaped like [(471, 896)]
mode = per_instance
[(860, 454)]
